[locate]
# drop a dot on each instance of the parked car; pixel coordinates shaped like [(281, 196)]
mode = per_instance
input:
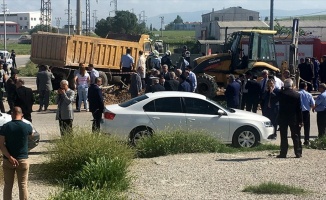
[(32, 143), (151, 112)]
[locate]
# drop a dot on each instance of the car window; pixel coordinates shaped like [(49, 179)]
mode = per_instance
[(133, 101), (199, 106), (169, 104)]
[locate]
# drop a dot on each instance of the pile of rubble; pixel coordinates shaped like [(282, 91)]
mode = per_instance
[(113, 95)]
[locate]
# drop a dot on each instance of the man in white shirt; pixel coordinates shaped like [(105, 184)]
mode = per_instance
[(93, 73), (192, 78), (141, 67)]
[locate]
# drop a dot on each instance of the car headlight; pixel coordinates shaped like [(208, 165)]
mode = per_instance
[(268, 124)]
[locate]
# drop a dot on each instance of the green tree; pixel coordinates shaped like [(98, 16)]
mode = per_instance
[(44, 28), (123, 22), (178, 20)]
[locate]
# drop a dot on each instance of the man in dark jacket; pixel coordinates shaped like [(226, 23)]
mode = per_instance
[(290, 115), (171, 84), (254, 91), (96, 103), (232, 92), (322, 70), (24, 99)]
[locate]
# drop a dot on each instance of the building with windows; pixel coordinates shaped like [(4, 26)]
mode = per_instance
[(213, 22), (25, 20)]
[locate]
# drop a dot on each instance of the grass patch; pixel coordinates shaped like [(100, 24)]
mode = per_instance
[(20, 49), (52, 97), (177, 142), (176, 36), (274, 188), (73, 152), (30, 70), (87, 194), (319, 143)]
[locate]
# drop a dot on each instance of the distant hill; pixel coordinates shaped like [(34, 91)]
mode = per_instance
[(196, 16)]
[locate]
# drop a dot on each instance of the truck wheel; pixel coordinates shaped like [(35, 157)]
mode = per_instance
[(104, 78), (206, 85)]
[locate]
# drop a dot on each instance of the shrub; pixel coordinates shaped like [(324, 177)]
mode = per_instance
[(52, 97), (87, 194), (102, 173), (29, 70), (161, 144), (274, 188), (319, 143), (72, 152)]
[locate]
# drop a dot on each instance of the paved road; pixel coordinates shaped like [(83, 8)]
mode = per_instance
[(21, 60)]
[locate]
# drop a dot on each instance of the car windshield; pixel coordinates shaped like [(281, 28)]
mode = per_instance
[(219, 105), (133, 101)]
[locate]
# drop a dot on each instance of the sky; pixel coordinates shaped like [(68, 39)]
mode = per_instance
[(160, 7)]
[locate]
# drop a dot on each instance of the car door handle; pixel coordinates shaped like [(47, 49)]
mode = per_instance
[(156, 118), (191, 119)]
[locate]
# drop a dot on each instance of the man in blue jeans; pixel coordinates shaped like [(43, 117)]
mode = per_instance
[(14, 147)]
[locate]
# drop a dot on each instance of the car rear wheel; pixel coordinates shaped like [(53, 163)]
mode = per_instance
[(138, 133), (245, 137)]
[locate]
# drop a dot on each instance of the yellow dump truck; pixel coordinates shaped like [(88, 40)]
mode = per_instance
[(64, 53)]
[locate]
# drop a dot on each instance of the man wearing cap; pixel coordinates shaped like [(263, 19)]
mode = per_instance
[(166, 59), (156, 61), (232, 92), (44, 86), (93, 73), (320, 108)]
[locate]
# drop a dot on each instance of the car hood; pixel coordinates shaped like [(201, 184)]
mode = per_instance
[(248, 115), (4, 118)]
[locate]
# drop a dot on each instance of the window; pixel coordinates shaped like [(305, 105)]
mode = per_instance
[(20, 18), (25, 27), (217, 19), (25, 18), (31, 18), (251, 18), (169, 104), (34, 19), (199, 106), (132, 101), (32, 26), (21, 27), (147, 46)]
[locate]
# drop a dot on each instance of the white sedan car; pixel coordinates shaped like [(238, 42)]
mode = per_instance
[(160, 111), (32, 143)]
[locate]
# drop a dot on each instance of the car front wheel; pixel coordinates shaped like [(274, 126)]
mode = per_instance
[(139, 133), (245, 137)]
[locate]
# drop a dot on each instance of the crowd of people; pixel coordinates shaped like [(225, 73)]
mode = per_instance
[(285, 105)]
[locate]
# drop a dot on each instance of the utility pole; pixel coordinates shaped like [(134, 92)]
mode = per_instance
[(94, 18), (115, 2), (4, 7), (143, 16), (78, 18), (57, 22), (162, 22), (271, 20), (88, 18), (69, 14)]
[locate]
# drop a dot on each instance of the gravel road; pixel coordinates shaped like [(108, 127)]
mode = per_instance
[(193, 176)]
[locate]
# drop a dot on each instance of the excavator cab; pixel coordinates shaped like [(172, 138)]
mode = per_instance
[(246, 50)]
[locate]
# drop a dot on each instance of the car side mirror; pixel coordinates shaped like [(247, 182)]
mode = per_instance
[(221, 112)]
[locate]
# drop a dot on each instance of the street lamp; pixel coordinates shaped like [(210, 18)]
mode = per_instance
[(4, 23)]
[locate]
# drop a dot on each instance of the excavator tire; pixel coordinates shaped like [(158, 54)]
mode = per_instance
[(206, 85)]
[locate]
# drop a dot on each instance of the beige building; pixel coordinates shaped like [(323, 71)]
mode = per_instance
[(210, 21)]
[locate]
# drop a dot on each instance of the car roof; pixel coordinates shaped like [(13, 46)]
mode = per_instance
[(174, 94)]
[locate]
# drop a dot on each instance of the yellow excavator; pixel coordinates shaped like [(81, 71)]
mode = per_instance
[(252, 50)]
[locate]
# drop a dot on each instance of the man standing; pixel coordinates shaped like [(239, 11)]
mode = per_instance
[(24, 99), (126, 65), (290, 115), (320, 108), (93, 73), (192, 78), (307, 102), (14, 147), (322, 70), (307, 72), (254, 93), (13, 58), (186, 53), (65, 114), (44, 86), (11, 91), (96, 103), (135, 84), (141, 68), (232, 92)]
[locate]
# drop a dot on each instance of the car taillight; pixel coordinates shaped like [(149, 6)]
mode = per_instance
[(109, 115)]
